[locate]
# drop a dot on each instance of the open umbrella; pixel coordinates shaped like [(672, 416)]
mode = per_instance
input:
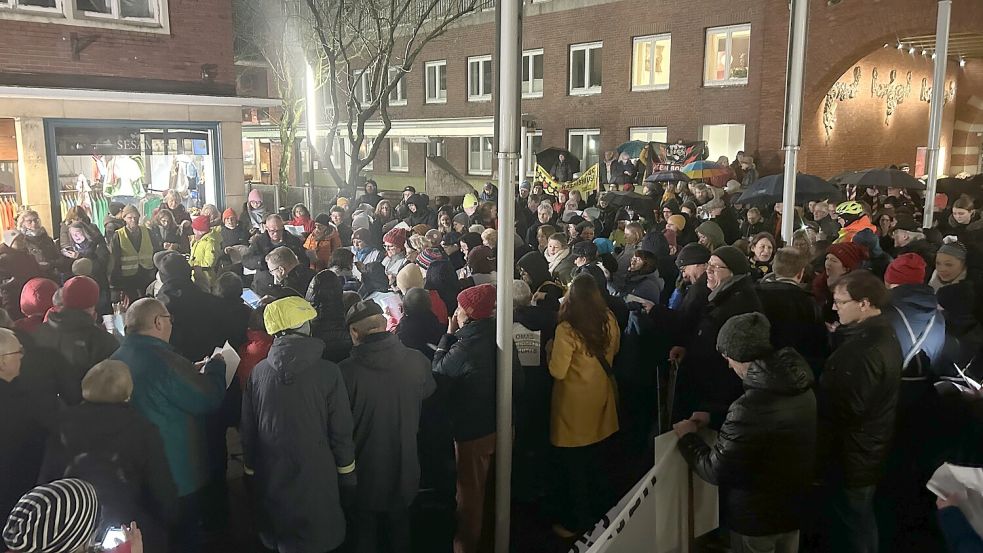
[(884, 178), (704, 169), (634, 200), (770, 190), (953, 187), (633, 148), (667, 176), (548, 158)]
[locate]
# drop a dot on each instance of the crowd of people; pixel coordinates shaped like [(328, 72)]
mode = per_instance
[(838, 368)]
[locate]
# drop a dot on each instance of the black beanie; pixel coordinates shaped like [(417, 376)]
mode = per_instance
[(692, 254), (745, 338), (732, 257)]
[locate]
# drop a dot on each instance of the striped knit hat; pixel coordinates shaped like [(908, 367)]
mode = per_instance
[(58, 517), (428, 256)]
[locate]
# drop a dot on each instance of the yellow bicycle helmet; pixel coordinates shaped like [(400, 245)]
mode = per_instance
[(850, 208)]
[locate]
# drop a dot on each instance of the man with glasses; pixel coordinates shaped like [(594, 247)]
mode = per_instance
[(290, 277), (24, 417), (260, 245), (858, 396), (174, 394), (705, 382)]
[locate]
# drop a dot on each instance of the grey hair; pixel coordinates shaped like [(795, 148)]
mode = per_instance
[(282, 257), (521, 294)]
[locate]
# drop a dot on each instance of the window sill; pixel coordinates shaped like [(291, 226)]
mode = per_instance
[(57, 18), (399, 169), (725, 84), (533, 96), (650, 88), (398, 103), (479, 173), (479, 99), (436, 101), (585, 91)]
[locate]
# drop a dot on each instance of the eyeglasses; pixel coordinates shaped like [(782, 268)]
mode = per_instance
[(838, 303), (715, 268), (18, 352)]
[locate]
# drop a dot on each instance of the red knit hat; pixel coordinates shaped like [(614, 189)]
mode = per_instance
[(80, 292), (228, 213), (201, 223), (478, 301), (908, 268), (850, 254), (35, 296), (396, 237)]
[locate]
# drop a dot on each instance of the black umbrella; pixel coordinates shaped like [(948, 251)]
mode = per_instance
[(884, 178), (667, 176), (770, 190), (548, 158), (953, 187), (634, 200)]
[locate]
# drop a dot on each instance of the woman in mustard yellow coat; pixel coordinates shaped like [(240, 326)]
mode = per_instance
[(583, 411)]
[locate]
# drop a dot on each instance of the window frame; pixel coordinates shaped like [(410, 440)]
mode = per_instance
[(491, 155), (400, 90), (531, 65), (705, 138), (404, 147), (480, 60), (66, 12), (587, 47), (654, 39), (362, 88), (530, 168), (649, 131), (595, 132), (441, 66), (728, 31)]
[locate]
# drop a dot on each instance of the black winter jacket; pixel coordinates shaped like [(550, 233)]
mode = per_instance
[(121, 453), (77, 336), (26, 415), (465, 368), (764, 456), (386, 401), (858, 395), (704, 373), (796, 319), (255, 258)]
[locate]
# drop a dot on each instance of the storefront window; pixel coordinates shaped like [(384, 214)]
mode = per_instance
[(98, 164)]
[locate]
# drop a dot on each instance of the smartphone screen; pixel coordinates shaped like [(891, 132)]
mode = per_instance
[(114, 536)]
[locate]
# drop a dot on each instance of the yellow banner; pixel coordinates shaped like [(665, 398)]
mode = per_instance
[(586, 184)]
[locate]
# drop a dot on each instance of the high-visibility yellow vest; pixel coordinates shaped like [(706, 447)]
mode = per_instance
[(130, 258)]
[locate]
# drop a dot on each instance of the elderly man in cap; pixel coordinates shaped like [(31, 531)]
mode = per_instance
[(132, 256), (386, 401), (705, 383), (764, 456), (297, 435), (173, 393)]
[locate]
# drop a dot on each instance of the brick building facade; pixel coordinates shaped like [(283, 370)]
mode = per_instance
[(744, 113), (133, 96)]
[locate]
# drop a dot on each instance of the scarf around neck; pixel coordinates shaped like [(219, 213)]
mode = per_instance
[(936, 282), (555, 260)]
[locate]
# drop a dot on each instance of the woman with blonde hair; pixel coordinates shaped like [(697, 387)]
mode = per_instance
[(583, 411)]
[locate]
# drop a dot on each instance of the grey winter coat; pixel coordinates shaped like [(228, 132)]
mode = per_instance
[(297, 437), (386, 399)]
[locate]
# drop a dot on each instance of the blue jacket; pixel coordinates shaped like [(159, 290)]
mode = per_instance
[(173, 396), (919, 325)]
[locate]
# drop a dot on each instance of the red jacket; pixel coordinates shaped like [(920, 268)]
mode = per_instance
[(256, 348)]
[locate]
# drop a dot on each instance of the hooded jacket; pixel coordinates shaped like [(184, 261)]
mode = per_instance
[(424, 215), (170, 392), (78, 337), (764, 456), (386, 401), (325, 295), (858, 396), (919, 326), (541, 281), (297, 437)]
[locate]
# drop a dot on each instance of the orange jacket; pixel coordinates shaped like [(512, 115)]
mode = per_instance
[(322, 249), (847, 232)]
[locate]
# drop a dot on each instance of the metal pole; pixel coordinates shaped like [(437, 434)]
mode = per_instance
[(936, 106), (509, 80), (798, 32), (523, 153)]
